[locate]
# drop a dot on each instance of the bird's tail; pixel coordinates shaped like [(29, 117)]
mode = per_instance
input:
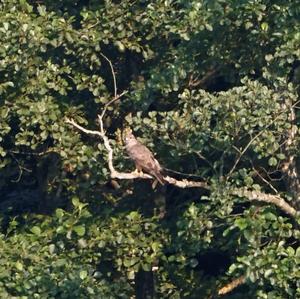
[(159, 177), (190, 175)]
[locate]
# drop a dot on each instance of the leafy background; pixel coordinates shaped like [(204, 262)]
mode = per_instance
[(204, 80)]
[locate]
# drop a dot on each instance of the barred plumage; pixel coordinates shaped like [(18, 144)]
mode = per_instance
[(143, 158)]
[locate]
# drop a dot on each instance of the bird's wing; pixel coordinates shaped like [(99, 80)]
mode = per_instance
[(142, 155), (145, 160)]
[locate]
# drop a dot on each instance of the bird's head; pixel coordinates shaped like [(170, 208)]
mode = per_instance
[(128, 136)]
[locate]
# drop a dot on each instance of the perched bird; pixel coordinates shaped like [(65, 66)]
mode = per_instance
[(143, 158)]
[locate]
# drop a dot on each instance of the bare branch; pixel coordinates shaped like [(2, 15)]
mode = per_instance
[(110, 102), (243, 152), (242, 192), (21, 168), (251, 195), (131, 175), (232, 285), (113, 74), (48, 151), (264, 180), (186, 183), (79, 127), (264, 197), (196, 82), (116, 96)]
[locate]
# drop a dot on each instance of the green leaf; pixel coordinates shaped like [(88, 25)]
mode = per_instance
[(249, 235), (241, 223), (268, 273), (4, 112), (36, 230), (208, 27), (41, 10), (129, 262), (79, 230), (272, 161), (83, 274), (75, 201), (264, 26), (59, 213), (155, 246), (193, 263), (270, 216), (281, 156), (60, 229), (291, 251), (5, 25), (51, 248), (146, 267), (131, 275), (19, 266)]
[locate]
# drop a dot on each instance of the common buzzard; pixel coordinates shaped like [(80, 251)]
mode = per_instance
[(143, 158)]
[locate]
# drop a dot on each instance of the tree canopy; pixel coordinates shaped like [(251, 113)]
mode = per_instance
[(211, 87)]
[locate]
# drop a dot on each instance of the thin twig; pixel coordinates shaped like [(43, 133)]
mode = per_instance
[(264, 180), (113, 74), (110, 102), (93, 25), (48, 151), (206, 160), (268, 173), (79, 127), (116, 96), (195, 82), (252, 140), (243, 152), (21, 168)]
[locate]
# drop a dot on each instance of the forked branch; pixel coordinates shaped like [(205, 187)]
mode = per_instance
[(251, 195), (242, 192), (130, 175)]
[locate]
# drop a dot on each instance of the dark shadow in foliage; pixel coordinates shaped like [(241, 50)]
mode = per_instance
[(213, 263), (27, 192)]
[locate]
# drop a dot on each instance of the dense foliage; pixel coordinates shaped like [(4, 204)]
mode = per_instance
[(212, 88)]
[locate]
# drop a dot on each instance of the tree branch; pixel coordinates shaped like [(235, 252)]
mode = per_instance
[(264, 197), (196, 82), (251, 195), (130, 175), (289, 167), (231, 286), (242, 192), (263, 179), (242, 152), (113, 74)]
